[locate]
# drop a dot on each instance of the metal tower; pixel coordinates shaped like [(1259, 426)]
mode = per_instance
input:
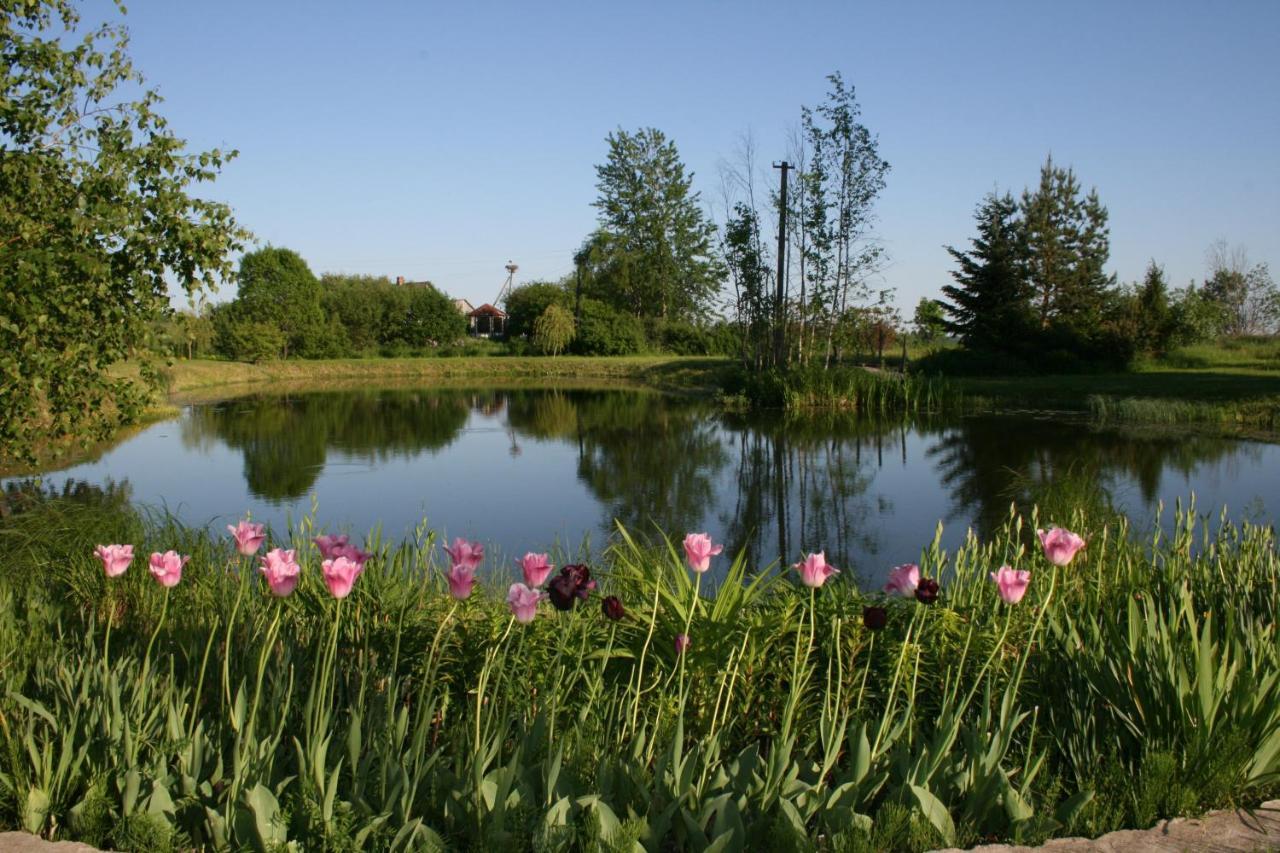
[(506, 285)]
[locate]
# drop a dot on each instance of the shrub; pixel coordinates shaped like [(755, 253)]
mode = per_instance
[(240, 338), (606, 331)]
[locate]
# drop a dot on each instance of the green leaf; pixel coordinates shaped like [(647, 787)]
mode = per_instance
[(935, 812)]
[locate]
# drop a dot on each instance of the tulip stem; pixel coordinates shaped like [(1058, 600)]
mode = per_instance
[(106, 643), (688, 621)]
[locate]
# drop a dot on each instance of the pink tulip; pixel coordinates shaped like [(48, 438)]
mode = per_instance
[(249, 537), (351, 552), (464, 553), (340, 575), (1012, 583), (166, 568), (815, 569), (1060, 545), (698, 551), (327, 544), (535, 568), (903, 580), (523, 602), (682, 643), (115, 558), (281, 570), (461, 579)]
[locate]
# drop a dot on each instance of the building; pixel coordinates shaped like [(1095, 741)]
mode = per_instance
[(487, 322)]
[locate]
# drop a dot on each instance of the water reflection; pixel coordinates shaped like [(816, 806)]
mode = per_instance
[(285, 440), (986, 463), (521, 467)]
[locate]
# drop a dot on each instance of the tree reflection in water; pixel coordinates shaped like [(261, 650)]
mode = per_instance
[(773, 485)]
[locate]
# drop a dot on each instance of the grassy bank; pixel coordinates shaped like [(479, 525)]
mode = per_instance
[(189, 379), (1139, 682)]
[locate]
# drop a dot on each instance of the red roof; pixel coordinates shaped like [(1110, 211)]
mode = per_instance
[(489, 310)]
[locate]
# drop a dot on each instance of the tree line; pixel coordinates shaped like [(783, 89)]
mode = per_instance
[(1031, 290), (283, 310)]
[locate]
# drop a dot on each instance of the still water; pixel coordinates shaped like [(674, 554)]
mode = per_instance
[(539, 469)]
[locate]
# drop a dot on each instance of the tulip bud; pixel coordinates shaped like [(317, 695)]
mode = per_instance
[(612, 607)]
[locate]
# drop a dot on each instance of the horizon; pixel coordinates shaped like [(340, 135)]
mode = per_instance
[(441, 147)]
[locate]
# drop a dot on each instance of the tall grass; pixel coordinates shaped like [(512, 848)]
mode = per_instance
[(1140, 681), (850, 388), (1162, 411)]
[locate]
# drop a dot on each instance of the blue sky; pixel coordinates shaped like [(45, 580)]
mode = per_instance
[(439, 140)]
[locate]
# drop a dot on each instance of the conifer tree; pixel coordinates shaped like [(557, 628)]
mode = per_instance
[(989, 304), (1067, 243)]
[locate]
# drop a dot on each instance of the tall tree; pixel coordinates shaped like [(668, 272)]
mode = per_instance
[(990, 302), (752, 284), (655, 240), (1246, 294), (1067, 247), (277, 287), (846, 175), (97, 218)]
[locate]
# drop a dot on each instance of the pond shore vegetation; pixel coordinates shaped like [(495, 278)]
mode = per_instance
[(270, 688)]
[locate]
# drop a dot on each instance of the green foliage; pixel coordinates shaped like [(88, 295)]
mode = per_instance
[(1033, 286), (278, 288), (553, 330), (603, 330), (525, 304), (653, 254), (929, 320), (97, 216), (838, 185), (429, 319), (185, 334), (1194, 318), (239, 336), (361, 305), (1136, 684), (990, 301)]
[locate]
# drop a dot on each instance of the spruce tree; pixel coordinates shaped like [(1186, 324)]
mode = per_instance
[(989, 304)]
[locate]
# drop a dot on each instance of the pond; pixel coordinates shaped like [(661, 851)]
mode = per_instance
[(536, 469)]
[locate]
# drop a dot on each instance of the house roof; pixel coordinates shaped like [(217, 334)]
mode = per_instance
[(489, 310), (463, 305)]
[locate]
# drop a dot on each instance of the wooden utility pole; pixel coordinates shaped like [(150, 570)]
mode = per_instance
[(780, 306)]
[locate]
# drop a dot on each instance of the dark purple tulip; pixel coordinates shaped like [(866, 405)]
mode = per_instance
[(612, 607), (582, 581), (562, 592), (927, 591), (874, 618)]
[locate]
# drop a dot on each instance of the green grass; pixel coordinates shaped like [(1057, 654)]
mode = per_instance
[(192, 378), (1140, 682), (1233, 386)]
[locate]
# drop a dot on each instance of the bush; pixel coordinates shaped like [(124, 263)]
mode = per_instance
[(680, 337), (606, 331), (240, 338)]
